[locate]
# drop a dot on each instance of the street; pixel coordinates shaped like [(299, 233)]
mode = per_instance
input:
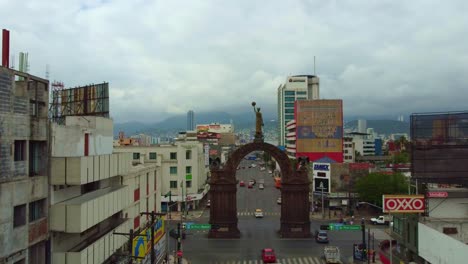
[(259, 233)]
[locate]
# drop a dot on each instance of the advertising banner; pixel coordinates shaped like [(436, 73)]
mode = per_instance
[(142, 244), (403, 203), (319, 126)]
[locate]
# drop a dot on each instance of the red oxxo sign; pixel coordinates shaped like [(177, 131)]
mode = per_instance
[(403, 203)]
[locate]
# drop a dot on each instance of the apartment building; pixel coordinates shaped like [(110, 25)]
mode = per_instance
[(362, 144), (23, 167), (94, 192), (182, 170), (348, 150)]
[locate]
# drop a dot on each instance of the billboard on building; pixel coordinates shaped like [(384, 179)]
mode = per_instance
[(440, 147), (89, 100), (403, 203), (319, 129)]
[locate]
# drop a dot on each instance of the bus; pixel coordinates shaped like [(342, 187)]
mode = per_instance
[(277, 182)]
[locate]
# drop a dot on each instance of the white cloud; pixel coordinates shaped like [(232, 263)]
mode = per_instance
[(165, 57)]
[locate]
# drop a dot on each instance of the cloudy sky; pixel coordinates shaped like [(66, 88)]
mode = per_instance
[(166, 57)]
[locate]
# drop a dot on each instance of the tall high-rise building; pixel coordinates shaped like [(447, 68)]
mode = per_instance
[(362, 126), (190, 120), (297, 87)]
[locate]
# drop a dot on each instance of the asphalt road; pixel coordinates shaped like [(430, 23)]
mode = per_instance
[(259, 233)]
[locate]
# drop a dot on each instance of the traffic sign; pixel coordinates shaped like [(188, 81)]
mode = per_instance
[(340, 227), (321, 184), (199, 226)]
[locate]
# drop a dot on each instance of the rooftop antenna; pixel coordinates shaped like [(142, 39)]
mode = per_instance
[(314, 65), (47, 71)]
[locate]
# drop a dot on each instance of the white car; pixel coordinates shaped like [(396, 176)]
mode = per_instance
[(279, 200), (262, 168), (258, 213), (261, 187)]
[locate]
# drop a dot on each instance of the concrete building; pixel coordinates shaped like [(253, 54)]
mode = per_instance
[(362, 145), (291, 139), (190, 120), (348, 150), (182, 169), (298, 87), (94, 192), (23, 167)]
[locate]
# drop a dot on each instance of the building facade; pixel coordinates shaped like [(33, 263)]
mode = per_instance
[(23, 167), (94, 192), (362, 144), (182, 169), (348, 150), (298, 87)]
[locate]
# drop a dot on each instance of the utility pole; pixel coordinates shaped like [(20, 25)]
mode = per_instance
[(152, 223), (368, 242), (363, 227), (131, 236)]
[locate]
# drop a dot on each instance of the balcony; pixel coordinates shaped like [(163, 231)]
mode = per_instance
[(98, 251), (291, 134), (82, 170), (79, 214)]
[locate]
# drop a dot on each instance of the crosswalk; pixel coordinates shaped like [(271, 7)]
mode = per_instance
[(252, 213), (297, 260)]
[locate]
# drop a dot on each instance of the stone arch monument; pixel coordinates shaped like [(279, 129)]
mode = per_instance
[(295, 221)]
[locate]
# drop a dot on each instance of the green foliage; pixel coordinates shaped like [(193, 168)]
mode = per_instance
[(402, 157), (373, 186)]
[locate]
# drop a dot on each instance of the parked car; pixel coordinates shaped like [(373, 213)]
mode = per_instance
[(242, 184), (268, 255), (381, 220), (321, 236), (258, 213)]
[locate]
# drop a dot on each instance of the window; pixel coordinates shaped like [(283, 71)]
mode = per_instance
[(289, 93), (188, 169), (136, 156), (20, 150), (173, 155), (288, 104), (152, 155), (37, 253), (173, 184), (301, 98), (289, 117), (19, 215), (188, 154), (37, 210), (173, 170), (188, 184), (301, 92), (289, 111), (289, 99)]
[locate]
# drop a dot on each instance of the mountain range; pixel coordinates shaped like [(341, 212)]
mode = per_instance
[(245, 120)]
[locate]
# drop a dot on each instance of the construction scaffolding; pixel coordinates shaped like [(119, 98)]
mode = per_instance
[(89, 100)]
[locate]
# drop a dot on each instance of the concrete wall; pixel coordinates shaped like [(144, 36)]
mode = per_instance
[(69, 139), (453, 207), (23, 116), (438, 248)]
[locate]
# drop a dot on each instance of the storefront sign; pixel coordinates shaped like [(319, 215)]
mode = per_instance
[(403, 203)]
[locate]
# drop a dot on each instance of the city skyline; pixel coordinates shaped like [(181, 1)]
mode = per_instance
[(378, 57)]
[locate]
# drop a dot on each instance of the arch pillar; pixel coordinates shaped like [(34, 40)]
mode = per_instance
[(223, 208), (295, 219)]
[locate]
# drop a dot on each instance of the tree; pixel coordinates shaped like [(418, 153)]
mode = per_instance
[(373, 186)]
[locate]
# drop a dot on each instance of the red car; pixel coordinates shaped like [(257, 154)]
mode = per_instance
[(268, 255), (241, 183), (250, 186)]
